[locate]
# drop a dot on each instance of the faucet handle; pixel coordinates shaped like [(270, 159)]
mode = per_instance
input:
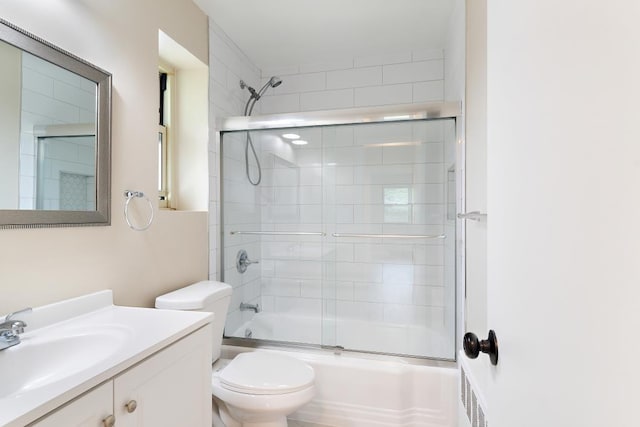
[(17, 326), (15, 313), (243, 261)]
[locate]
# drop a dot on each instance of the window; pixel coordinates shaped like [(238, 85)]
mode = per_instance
[(397, 205), (183, 138), (162, 166)]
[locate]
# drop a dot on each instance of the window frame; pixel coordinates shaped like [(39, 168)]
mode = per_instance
[(163, 188), (165, 131)]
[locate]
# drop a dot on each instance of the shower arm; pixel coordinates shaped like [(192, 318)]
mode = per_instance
[(274, 81), (255, 96)]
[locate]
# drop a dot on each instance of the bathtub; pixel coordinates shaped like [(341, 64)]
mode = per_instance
[(355, 390)]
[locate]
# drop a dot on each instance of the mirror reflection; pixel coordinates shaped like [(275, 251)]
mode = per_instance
[(47, 135)]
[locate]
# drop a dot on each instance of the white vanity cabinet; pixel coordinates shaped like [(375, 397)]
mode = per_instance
[(88, 410), (170, 388)]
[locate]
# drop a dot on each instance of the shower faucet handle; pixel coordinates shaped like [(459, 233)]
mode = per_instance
[(243, 261)]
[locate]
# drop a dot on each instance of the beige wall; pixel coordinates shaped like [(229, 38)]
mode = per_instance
[(46, 265)]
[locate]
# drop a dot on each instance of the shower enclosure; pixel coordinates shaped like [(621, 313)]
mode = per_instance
[(349, 239)]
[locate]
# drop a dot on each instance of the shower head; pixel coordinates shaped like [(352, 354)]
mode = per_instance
[(275, 81)]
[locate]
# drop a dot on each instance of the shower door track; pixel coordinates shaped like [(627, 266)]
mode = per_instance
[(436, 362), (351, 116)]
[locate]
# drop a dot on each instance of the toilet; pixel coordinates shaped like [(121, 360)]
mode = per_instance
[(257, 388)]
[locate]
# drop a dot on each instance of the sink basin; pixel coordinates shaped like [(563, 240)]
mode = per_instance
[(49, 356), (72, 346)]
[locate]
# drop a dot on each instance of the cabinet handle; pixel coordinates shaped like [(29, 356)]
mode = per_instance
[(110, 421), (131, 406)]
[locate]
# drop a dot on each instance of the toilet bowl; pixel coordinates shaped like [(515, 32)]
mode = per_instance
[(261, 389), (257, 388)]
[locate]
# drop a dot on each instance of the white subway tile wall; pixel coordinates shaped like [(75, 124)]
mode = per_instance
[(384, 95), (382, 179), (242, 211), (52, 96), (389, 78), (348, 179), (326, 100)]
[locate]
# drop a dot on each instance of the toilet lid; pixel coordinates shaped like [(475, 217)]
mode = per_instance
[(266, 373)]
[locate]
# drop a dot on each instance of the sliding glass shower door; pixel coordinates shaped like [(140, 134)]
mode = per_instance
[(353, 229)]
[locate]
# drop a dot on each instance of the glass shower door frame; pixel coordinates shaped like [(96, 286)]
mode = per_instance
[(403, 113)]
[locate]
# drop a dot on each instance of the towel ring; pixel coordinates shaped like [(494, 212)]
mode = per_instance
[(130, 195)]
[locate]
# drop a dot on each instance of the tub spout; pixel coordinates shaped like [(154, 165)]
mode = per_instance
[(246, 306)]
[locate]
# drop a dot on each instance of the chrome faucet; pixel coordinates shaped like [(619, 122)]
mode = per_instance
[(10, 329), (243, 261), (246, 307)]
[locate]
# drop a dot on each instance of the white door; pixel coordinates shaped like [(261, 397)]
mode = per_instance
[(563, 199)]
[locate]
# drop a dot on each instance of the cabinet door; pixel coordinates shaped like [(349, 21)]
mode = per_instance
[(172, 388), (88, 410)]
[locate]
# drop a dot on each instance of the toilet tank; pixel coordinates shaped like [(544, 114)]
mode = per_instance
[(209, 296)]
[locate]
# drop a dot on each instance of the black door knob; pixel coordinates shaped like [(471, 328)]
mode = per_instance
[(472, 346)]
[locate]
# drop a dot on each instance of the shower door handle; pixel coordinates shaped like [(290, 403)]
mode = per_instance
[(473, 346), (473, 216)]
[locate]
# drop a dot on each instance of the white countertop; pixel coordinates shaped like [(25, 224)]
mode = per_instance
[(140, 331)]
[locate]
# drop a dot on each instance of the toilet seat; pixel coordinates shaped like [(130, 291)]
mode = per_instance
[(264, 373)]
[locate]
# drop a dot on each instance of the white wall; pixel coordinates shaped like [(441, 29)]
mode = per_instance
[(476, 164), (454, 53), (45, 265), (229, 65), (342, 182), (455, 75), (286, 272), (465, 79), (563, 236), (402, 77), (475, 304)]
